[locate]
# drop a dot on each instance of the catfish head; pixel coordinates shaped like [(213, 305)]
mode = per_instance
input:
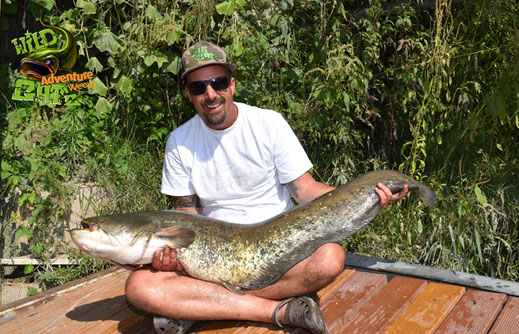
[(38, 67), (128, 239), (47, 61)]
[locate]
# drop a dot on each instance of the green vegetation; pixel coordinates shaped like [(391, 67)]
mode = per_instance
[(430, 89)]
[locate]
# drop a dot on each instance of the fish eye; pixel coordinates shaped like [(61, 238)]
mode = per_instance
[(48, 62)]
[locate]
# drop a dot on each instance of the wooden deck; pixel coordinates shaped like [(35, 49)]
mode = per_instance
[(356, 302)]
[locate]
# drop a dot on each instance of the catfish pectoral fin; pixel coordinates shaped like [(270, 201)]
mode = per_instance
[(183, 236), (231, 288)]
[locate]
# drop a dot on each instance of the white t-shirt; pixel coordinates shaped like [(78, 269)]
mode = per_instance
[(237, 173)]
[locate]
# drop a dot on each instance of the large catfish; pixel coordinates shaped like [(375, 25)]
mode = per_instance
[(243, 256)]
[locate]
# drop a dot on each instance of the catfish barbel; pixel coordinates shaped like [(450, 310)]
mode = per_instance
[(243, 256)]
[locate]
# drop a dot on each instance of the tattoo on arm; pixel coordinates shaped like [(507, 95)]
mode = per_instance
[(191, 201), (293, 189)]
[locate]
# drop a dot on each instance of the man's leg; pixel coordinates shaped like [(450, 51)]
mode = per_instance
[(182, 297)]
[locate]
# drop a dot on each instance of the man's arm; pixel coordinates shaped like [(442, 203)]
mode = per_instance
[(306, 188), (189, 203)]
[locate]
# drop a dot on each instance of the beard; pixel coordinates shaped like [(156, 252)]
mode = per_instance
[(215, 117)]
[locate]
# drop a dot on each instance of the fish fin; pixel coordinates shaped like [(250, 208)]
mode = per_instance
[(231, 288), (183, 236), (427, 196), (130, 267)]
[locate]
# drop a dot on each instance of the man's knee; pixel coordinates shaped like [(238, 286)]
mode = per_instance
[(331, 261), (136, 287), (143, 286)]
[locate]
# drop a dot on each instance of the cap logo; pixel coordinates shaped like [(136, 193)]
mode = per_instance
[(201, 53)]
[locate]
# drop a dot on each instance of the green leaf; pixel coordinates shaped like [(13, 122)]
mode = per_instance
[(173, 37), (175, 66), (293, 73), (62, 171), (237, 48), (37, 248), (4, 174), (98, 87), (23, 231), (124, 85), (479, 195), (5, 166), (28, 269), (90, 8), (93, 64), (87, 6), (32, 291), (152, 13), (22, 199), (153, 56), (107, 41), (103, 106), (226, 7), (47, 4)]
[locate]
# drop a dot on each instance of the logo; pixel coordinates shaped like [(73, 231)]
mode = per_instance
[(50, 56)]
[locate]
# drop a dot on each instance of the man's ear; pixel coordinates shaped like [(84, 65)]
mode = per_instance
[(232, 85)]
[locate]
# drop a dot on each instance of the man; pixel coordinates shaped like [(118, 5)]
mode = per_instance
[(240, 164)]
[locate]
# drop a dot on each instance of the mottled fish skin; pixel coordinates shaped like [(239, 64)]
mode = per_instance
[(255, 256)]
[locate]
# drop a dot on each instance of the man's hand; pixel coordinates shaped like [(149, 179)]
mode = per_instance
[(169, 261), (387, 196)]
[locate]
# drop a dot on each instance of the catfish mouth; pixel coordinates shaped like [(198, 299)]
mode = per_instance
[(35, 69), (89, 226)]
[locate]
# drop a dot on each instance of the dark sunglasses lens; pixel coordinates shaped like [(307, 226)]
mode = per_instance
[(199, 87), (196, 87), (219, 83)]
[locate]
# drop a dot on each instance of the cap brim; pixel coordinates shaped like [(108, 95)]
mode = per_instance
[(230, 66)]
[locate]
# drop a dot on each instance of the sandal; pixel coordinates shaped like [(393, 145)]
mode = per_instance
[(302, 312), (165, 325)]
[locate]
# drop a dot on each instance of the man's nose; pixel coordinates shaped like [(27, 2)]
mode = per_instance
[(210, 93)]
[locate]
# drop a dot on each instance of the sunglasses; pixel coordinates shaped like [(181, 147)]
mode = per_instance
[(199, 87)]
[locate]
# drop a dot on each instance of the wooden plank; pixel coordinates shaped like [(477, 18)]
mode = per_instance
[(351, 296), (508, 320), (428, 310), (74, 310), (118, 320), (475, 313), (382, 310), (9, 311), (222, 327), (141, 325), (325, 292), (246, 327)]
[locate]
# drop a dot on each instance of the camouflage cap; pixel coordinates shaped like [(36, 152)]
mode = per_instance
[(203, 54)]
